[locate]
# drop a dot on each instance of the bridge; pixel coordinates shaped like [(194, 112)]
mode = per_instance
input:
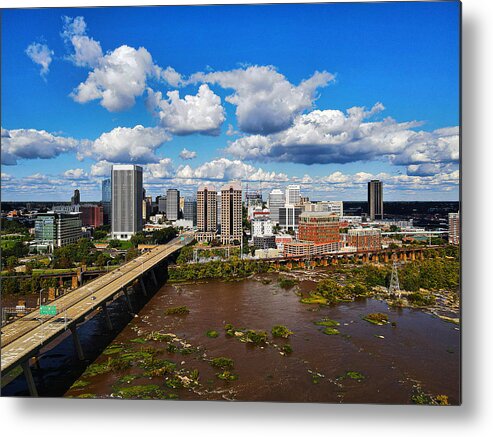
[(23, 339), (407, 253)]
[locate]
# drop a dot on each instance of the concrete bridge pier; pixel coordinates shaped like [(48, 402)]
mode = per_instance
[(143, 286), (127, 296), (78, 346), (29, 378), (107, 318), (385, 257), (153, 276), (375, 258)]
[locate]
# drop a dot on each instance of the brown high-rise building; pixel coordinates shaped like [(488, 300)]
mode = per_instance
[(231, 213), (207, 209), (92, 215), (319, 227), (375, 200)]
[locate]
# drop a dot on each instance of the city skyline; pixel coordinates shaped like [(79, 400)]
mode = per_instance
[(347, 114)]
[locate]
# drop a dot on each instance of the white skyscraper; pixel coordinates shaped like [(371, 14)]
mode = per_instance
[(293, 195), (276, 200), (126, 201)]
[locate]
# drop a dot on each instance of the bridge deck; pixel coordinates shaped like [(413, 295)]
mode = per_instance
[(21, 339)]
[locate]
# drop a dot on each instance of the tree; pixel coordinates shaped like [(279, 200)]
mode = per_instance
[(11, 263), (132, 253), (100, 235), (114, 244)]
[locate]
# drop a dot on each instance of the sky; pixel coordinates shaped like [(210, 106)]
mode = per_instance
[(328, 96)]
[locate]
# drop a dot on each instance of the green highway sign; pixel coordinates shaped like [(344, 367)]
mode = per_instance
[(47, 310)]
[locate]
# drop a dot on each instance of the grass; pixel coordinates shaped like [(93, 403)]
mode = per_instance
[(212, 334), (357, 376), (287, 282)]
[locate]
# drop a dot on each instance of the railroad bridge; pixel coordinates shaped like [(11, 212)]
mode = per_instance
[(364, 256), (23, 339)]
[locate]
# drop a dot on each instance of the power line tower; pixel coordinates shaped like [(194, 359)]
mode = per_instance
[(394, 288)]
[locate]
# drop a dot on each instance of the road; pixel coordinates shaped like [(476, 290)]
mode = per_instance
[(21, 339)]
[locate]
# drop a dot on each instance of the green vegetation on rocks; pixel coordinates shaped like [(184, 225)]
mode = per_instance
[(281, 331), (227, 376), (377, 318), (222, 363), (331, 331), (179, 310), (327, 322), (212, 334), (287, 282)]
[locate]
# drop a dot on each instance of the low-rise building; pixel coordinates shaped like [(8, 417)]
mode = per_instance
[(54, 229), (364, 238)]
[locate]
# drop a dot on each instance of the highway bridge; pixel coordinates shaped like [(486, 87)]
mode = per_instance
[(23, 339)]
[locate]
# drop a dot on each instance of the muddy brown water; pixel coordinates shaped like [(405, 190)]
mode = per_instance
[(420, 350)]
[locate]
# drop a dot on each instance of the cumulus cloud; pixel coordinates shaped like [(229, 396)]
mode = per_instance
[(40, 54), (87, 51), (127, 145), (118, 79), (32, 144), (202, 113), (225, 169), (160, 170), (75, 174), (101, 169), (187, 154), (265, 100), (171, 76), (332, 136)]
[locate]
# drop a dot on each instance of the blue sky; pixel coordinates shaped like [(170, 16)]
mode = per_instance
[(83, 92)]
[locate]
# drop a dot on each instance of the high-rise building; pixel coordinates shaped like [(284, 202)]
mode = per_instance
[(53, 229), (162, 204), (126, 201), (277, 199), (454, 228), (289, 217), (106, 201), (92, 215), (75, 200), (190, 210), (231, 213), (172, 204), (375, 200), (207, 208), (293, 197)]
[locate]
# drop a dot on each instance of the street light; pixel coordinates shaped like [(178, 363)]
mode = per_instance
[(107, 266)]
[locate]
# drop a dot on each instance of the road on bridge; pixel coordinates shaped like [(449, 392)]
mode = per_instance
[(24, 337)]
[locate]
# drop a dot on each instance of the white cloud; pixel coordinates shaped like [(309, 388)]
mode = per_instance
[(187, 154), (118, 79), (201, 113), (127, 145), (40, 54), (32, 144), (101, 169), (87, 51), (225, 169), (331, 136), (171, 76), (75, 174), (161, 170), (265, 100)]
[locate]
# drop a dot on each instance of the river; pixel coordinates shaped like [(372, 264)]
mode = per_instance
[(420, 350)]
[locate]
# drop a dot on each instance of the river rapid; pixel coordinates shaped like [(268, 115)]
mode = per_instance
[(421, 350)]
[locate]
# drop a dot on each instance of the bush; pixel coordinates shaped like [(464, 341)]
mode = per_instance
[(377, 318), (222, 363)]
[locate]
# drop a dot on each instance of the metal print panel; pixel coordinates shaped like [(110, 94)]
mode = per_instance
[(237, 202)]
